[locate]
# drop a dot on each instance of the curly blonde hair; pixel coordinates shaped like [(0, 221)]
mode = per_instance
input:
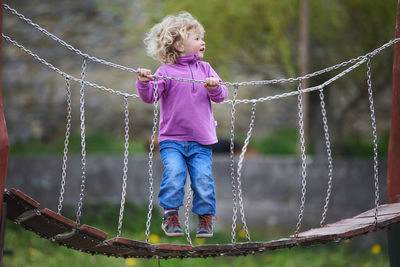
[(173, 28)]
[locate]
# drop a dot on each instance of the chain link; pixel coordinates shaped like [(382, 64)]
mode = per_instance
[(303, 161), (66, 144), (63, 43), (329, 153), (263, 82), (358, 61), (65, 75), (188, 202), (232, 165), (375, 139), (83, 143), (306, 90), (151, 154), (240, 166), (125, 169)]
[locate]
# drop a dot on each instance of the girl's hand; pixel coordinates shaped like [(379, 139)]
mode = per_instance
[(211, 83), (144, 75)]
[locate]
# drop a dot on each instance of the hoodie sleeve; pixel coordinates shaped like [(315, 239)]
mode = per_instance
[(220, 93), (146, 89)]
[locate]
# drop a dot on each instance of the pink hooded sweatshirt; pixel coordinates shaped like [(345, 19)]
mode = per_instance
[(185, 108)]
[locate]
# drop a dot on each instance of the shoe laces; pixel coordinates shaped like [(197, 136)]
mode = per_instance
[(174, 220), (206, 220)]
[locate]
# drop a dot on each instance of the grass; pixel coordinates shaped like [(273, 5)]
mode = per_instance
[(30, 250)]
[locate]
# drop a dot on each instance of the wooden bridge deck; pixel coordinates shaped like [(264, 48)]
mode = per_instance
[(62, 230)]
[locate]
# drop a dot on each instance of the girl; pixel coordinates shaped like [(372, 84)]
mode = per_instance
[(187, 125)]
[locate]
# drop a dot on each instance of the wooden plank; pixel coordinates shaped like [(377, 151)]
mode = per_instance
[(18, 203), (123, 247), (184, 251), (387, 214), (84, 238), (89, 239), (337, 230), (172, 250), (246, 248), (385, 209), (93, 232), (47, 223), (281, 243), (229, 249), (137, 248)]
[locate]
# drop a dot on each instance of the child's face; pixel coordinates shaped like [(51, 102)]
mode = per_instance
[(194, 44)]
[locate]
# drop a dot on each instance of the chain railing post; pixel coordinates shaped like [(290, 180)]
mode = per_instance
[(303, 161), (151, 154), (393, 173)]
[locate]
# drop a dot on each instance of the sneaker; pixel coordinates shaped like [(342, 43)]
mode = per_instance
[(171, 225), (205, 228)]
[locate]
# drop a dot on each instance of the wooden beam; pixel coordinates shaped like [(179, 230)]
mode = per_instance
[(4, 143), (4, 148), (393, 175)]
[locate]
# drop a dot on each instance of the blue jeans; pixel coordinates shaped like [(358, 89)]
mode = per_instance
[(177, 157)]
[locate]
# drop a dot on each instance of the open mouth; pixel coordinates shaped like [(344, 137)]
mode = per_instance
[(202, 49)]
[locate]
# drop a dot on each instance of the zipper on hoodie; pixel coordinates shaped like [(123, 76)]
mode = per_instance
[(193, 89)]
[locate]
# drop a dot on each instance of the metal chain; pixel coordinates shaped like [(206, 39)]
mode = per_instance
[(112, 91), (187, 229), (83, 143), (329, 153), (63, 43), (263, 82), (359, 61), (65, 75), (375, 139), (306, 90), (232, 157), (66, 144), (240, 166), (151, 154), (125, 169), (303, 161)]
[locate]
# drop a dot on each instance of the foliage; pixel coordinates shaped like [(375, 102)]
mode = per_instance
[(259, 32), (96, 143), (354, 146), (285, 142), (280, 142), (248, 33)]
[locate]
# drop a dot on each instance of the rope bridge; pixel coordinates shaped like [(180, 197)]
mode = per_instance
[(54, 226)]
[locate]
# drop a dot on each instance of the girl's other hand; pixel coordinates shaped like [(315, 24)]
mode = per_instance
[(144, 75), (211, 83)]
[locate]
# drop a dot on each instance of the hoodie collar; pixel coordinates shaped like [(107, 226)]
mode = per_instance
[(188, 59)]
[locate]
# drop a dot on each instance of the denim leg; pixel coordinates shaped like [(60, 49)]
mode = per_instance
[(199, 166), (172, 189)]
